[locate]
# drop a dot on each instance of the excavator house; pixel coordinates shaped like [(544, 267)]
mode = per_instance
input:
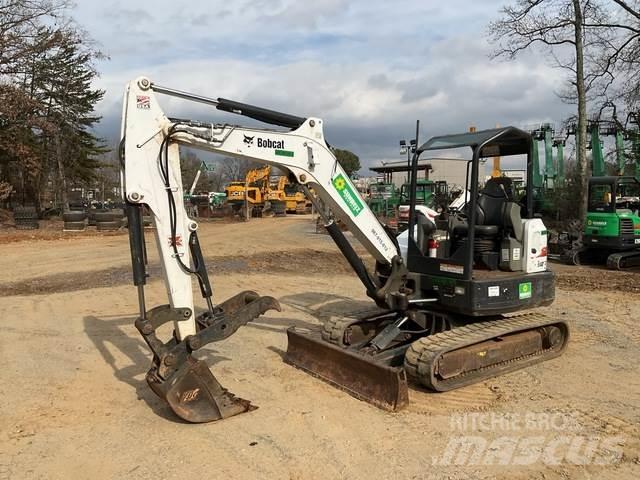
[(454, 306)]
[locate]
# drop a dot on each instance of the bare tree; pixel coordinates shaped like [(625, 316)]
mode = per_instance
[(623, 52), (572, 32), (235, 169), (20, 21)]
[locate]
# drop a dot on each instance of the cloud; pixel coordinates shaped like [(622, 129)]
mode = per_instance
[(126, 15), (368, 68), (296, 14)]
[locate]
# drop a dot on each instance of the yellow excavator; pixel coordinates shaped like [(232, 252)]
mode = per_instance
[(256, 190), (292, 198)]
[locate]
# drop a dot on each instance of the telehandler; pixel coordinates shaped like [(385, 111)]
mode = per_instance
[(441, 313)]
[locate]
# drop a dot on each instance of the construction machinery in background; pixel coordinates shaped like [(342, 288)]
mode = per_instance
[(438, 311), (391, 204), (206, 204), (434, 195), (248, 198), (546, 177), (608, 233), (384, 199), (632, 134), (611, 233), (289, 195)]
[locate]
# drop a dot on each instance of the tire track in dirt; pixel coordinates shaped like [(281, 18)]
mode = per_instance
[(299, 261)]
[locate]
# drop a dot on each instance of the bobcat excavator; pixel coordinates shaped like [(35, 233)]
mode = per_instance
[(440, 312)]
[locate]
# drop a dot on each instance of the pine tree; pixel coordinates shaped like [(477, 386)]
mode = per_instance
[(64, 82)]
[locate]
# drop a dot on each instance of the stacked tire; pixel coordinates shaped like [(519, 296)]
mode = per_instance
[(74, 221), (26, 218), (108, 221), (92, 215)]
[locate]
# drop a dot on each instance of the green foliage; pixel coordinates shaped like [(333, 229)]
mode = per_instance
[(46, 102), (348, 160)]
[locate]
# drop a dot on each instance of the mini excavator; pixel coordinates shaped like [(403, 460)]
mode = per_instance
[(443, 312)]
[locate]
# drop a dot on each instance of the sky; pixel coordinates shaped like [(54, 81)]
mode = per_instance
[(369, 68)]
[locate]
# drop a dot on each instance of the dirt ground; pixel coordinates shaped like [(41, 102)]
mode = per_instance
[(74, 402)]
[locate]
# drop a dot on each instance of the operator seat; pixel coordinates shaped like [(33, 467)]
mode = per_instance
[(493, 220), (491, 209)]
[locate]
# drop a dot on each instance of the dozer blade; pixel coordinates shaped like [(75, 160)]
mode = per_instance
[(360, 376), (194, 394)]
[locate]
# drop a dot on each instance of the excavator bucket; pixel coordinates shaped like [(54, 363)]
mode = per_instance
[(194, 394), (186, 383), (359, 375)]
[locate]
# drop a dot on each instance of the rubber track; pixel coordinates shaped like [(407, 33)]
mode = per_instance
[(619, 261), (334, 328), (423, 354)]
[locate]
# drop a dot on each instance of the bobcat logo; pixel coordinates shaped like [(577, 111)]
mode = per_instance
[(189, 395), (249, 140)]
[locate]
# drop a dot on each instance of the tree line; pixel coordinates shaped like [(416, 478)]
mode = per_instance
[(597, 44), (47, 102)]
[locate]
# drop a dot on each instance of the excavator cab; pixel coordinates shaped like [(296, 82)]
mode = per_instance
[(488, 250)]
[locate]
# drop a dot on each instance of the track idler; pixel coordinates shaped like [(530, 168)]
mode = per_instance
[(186, 383)]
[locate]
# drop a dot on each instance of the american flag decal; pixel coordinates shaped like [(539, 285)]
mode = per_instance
[(175, 241), (144, 102)]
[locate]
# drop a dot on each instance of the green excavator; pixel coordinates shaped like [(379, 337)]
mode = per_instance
[(612, 228)]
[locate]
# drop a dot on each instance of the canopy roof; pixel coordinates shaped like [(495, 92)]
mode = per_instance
[(501, 142), (400, 166)]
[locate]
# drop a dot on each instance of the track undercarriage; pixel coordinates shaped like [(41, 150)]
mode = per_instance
[(613, 260), (372, 355)]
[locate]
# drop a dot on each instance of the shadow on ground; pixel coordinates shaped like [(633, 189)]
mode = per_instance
[(108, 332), (112, 331), (323, 306)]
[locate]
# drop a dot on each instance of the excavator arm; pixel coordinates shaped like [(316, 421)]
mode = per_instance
[(257, 174), (151, 177)]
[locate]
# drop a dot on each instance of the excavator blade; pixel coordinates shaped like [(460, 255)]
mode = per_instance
[(194, 394), (360, 376)]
